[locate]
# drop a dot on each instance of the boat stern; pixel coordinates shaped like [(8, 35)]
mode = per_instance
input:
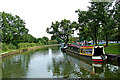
[(101, 58)]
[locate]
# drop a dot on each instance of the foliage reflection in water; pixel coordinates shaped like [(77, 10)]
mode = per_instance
[(50, 62)]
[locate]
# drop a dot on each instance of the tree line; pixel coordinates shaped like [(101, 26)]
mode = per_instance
[(14, 34), (100, 22)]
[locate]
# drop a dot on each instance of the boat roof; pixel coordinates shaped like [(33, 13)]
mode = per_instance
[(81, 46)]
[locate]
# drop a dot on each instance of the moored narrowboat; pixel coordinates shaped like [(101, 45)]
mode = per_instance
[(63, 47), (94, 53)]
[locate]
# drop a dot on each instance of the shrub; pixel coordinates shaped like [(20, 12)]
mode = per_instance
[(5, 47), (11, 46), (52, 42), (26, 45), (39, 43)]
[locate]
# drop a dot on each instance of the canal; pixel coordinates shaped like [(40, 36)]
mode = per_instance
[(50, 62)]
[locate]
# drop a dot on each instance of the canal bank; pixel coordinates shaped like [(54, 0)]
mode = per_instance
[(5, 54)]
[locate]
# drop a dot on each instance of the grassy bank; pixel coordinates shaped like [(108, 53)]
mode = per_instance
[(112, 49), (12, 50), (5, 47), (18, 51)]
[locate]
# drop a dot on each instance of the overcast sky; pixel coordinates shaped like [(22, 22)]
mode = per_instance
[(39, 14)]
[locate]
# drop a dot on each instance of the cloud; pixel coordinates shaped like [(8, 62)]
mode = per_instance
[(38, 14)]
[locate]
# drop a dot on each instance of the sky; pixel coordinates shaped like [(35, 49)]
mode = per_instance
[(39, 14)]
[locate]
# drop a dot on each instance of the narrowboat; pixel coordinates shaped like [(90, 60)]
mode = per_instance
[(94, 53), (63, 47)]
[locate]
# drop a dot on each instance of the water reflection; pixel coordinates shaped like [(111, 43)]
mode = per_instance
[(72, 67), (69, 67), (50, 62), (15, 67)]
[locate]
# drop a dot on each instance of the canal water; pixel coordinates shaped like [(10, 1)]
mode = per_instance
[(50, 62)]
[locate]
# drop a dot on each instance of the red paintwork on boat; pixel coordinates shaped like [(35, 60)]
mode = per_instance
[(98, 60)]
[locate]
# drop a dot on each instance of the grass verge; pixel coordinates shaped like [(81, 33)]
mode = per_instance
[(112, 49)]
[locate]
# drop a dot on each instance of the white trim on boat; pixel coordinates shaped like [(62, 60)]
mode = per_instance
[(98, 57)]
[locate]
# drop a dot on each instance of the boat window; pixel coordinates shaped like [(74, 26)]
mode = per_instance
[(83, 50), (88, 51), (98, 51)]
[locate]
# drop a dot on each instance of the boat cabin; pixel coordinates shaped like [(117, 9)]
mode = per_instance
[(96, 52)]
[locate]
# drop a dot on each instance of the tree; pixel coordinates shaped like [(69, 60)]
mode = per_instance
[(13, 28), (61, 30), (95, 16), (28, 38), (96, 20), (43, 41), (0, 29), (85, 31), (106, 19), (56, 38), (116, 15), (46, 39)]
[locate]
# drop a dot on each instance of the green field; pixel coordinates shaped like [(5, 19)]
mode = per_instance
[(112, 49)]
